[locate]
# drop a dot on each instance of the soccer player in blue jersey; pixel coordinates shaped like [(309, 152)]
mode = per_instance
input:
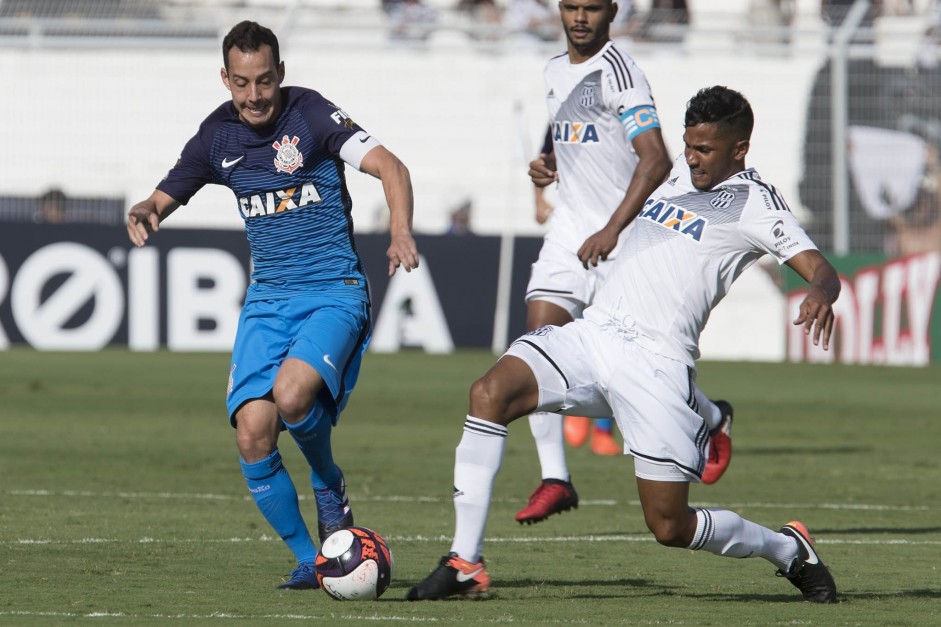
[(306, 319)]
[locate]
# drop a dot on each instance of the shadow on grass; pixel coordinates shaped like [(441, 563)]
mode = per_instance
[(803, 450), (637, 588), (892, 596), (843, 596), (874, 530)]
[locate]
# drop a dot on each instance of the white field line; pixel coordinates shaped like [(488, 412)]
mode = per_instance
[(188, 496), (394, 539), (329, 616), (229, 616)]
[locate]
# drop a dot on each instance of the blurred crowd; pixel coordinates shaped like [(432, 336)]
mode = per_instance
[(534, 21)]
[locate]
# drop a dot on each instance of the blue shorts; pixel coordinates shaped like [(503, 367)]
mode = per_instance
[(329, 332)]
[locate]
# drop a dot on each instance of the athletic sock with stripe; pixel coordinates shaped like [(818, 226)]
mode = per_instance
[(727, 534), (476, 463)]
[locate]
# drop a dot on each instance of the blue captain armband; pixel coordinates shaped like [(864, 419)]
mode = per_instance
[(640, 119)]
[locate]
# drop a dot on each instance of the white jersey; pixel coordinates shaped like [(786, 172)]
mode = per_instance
[(594, 155), (683, 253)]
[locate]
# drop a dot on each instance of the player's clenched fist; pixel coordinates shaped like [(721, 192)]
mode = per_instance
[(542, 170)]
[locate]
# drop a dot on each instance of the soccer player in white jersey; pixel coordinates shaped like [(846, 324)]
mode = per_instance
[(607, 155), (633, 356)]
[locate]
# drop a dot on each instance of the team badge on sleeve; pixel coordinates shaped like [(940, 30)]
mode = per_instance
[(289, 158), (340, 117)]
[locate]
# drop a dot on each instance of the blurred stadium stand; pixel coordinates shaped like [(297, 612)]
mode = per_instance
[(781, 53)]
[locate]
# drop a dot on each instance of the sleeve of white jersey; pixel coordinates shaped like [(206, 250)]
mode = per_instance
[(628, 95), (769, 225), (626, 89)]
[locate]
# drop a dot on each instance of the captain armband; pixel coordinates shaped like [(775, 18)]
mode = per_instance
[(640, 119)]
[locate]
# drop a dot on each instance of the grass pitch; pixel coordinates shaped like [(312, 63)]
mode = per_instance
[(122, 503)]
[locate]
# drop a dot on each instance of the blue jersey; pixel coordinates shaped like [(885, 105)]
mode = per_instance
[(289, 182)]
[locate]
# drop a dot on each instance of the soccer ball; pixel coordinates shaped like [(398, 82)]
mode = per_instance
[(354, 564)]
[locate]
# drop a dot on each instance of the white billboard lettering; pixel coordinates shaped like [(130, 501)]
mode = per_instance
[(89, 278), (205, 287), (411, 315), (882, 317), (923, 275), (143, 299)]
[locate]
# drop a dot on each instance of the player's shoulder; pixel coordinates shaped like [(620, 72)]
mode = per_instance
[(760, 193), (620, 75), (557, 62), (299, 97), (614, 60), (220, 116)]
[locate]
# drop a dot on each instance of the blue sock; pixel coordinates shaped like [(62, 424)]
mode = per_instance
[(276, 497), (312, 435), (605, 424)]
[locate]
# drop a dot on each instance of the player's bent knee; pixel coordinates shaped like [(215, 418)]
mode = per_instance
[(253, 446), (491, 400), (669, 532), (487, 399), (293, 402)]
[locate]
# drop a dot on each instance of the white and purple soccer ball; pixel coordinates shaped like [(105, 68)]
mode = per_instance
[(354, 564)]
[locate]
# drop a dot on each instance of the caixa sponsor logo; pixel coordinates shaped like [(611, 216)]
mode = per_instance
[(566, 132), (70, 296), (278, 201), (673, 217)]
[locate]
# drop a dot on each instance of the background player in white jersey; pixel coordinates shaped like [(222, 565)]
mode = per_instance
[(633, 355), (306, 319), (607, 155)]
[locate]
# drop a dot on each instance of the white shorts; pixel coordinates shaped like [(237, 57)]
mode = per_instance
[(584, 369), (558, 277)]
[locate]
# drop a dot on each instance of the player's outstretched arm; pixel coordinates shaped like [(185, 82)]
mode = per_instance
[(144, 217), (652, 169), (816, 310), (397, 185)]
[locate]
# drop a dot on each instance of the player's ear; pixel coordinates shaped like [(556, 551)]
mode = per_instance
[(225, 78), (741, 149), (281, 72)]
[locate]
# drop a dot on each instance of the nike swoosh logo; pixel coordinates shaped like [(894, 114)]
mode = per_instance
[(228, 164), (461, 577), (363, 140), (811, 554), (326, 360)]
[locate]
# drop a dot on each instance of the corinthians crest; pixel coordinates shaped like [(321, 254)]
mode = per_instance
[(289, 158)]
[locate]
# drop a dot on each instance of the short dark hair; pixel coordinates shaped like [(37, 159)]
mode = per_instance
[(250, 37), (54, 195), (721, 105)]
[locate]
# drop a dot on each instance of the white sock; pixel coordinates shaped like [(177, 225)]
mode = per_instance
[(708, 410), (727, 534), (550, 445), (476, 463)]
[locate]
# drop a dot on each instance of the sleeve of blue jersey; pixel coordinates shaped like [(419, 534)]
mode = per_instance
[(640, 119)]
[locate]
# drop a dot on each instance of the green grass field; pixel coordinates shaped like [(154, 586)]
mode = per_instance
[(122, 502)]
